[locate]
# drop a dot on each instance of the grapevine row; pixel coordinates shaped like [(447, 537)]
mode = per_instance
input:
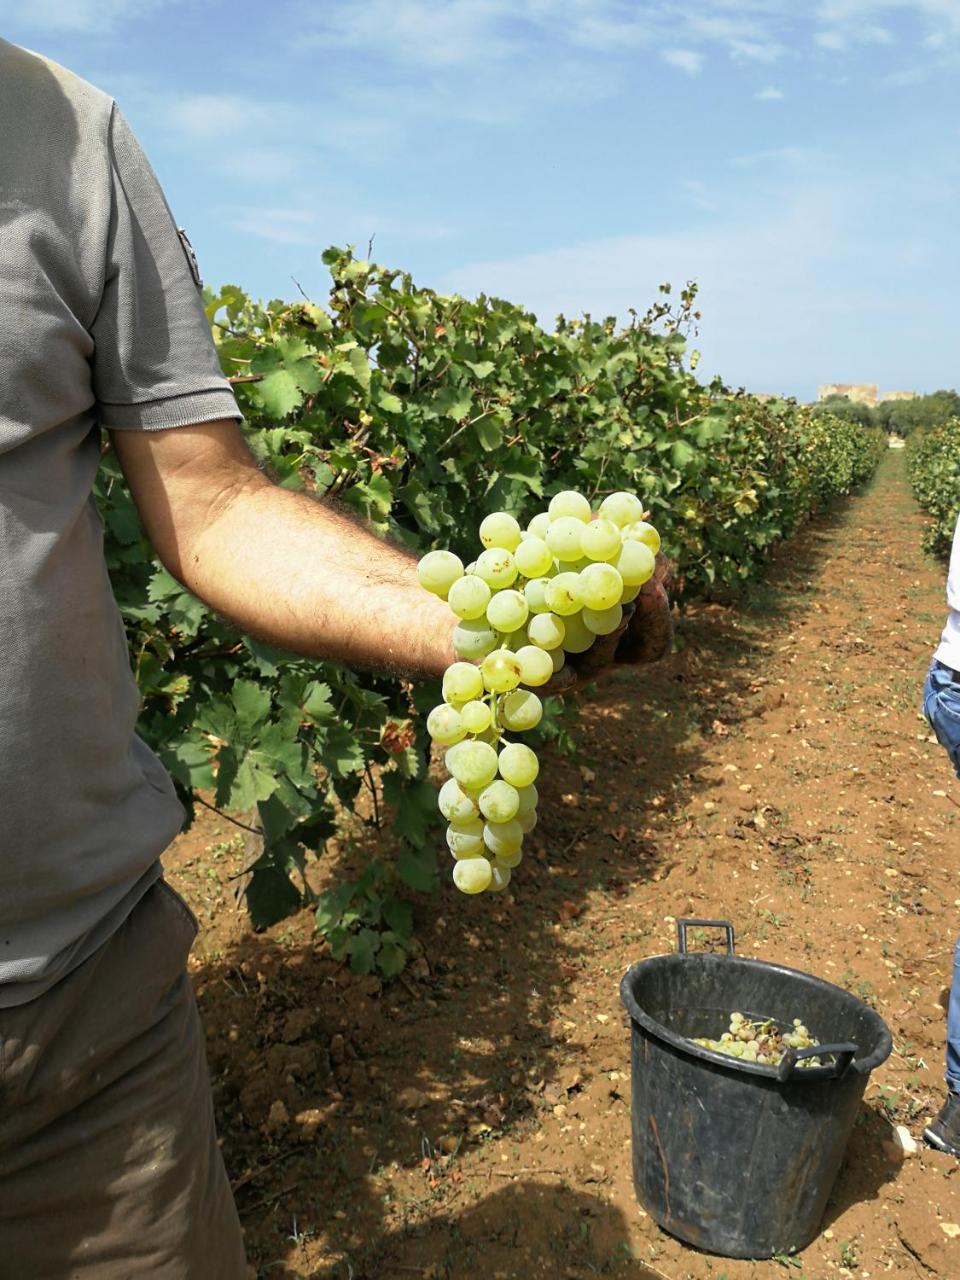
[(411, 407)]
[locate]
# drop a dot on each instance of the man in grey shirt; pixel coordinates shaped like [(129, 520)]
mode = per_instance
[(109, 1166)]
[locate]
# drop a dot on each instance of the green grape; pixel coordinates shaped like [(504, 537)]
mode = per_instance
[(474, 639), (533, 557), (518, 764), (499, 802), (579, 637), (622, 508), (465, 839), (454, 803), (761, 1042), (469, 597), (640, 531), (569, 504), (509, 860), (636, 563), (600, 586), (502, 837), (472, 763), (563, 594), (500, 530), (629, 594), (507, 610), (536, 666), (564, 538), (443, 725), (497, 568), (603, 621), (516, 640), (559, 659), (473, 875), (571, 566), (535, 594), (499, 879), (520, 710), (438, 571), (601, 540), (529, 799), (500, 671), (462, 682), (475, 717), (539, 525), (527, 821), (546, 630)]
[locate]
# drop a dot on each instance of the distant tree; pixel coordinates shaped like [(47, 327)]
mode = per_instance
[(848, 410), (904, 416)]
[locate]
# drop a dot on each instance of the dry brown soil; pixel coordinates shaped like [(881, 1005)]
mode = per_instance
[(472, 1119)]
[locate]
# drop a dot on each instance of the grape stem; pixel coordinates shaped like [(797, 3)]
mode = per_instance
[(494, 722)]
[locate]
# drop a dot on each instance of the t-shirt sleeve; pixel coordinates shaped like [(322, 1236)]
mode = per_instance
[(154, 363)]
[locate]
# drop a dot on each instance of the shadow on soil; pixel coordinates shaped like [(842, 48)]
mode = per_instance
[(325, 1083)]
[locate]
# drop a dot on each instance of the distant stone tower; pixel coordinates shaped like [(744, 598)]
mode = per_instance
[(859, 392), (900, 395)]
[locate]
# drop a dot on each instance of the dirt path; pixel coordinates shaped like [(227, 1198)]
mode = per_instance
[(472, 1120)]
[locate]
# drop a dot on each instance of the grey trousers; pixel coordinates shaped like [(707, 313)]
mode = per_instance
[(109, 1164)]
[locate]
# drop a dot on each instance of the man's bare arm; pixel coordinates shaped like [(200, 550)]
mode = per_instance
[(282, 566)]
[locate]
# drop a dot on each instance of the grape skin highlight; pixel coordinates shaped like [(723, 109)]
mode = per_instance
[(500, 530)]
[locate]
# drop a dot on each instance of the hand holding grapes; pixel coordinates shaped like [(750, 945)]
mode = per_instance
[(543, 608)]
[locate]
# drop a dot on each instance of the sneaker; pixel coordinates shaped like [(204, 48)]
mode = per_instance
[(944, 1132)]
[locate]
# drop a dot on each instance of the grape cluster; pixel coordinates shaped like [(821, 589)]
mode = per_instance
[(762, 1042), (532, 596)]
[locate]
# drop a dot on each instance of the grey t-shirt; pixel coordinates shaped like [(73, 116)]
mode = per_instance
[(101, 326)]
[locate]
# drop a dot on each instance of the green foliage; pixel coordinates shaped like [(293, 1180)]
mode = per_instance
[(933, 464), (367, 923), (848, 410), (410, 408), (896, 417), (901, 417)]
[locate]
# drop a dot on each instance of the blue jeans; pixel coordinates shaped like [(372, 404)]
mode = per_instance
[(941, 706)]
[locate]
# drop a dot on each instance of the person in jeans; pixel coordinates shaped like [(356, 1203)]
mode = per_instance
[(941, 706), (109, 1162)]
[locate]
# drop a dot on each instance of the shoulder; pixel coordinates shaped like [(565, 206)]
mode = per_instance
[(44, 89)]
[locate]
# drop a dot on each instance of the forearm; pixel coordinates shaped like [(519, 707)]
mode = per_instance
[(283, 566), (300, 575)]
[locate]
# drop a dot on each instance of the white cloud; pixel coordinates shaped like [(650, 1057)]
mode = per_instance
[(700, 195), (279, 226), (76, 15), (437, 37), (761, 282), (211, 117), (790, 159), (769, 94), (782, 291), (684, 60), (859, 17)]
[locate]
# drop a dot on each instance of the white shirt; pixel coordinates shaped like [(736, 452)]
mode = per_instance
[(949, 650)]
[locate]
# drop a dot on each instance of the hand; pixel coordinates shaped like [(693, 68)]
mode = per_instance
[(649, 633), (645, 635)]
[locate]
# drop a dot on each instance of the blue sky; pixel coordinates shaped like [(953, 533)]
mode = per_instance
[(799, 158)]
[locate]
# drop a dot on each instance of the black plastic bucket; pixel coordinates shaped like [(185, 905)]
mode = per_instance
[(735, 1157)]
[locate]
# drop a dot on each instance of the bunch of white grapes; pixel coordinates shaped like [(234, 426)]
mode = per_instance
[(532, 596), (762, 1042)]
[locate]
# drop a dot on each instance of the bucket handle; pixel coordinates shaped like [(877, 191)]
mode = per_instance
[(843, 1054), (684, 925)]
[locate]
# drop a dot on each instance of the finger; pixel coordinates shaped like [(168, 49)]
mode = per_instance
[(650, 634), (599, 656), (561, 682)]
